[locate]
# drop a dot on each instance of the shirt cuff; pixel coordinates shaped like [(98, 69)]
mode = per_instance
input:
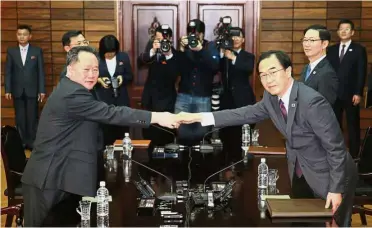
[(233, 62), (152, 53), (207, 119), (168, 56)]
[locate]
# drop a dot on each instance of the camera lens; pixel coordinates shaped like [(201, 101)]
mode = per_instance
[(165, 46)]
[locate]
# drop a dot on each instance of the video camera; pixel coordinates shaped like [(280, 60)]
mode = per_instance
[(192, 38), (225, 33), (165, 43)]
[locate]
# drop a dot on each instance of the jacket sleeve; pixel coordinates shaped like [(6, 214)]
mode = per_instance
[(328, 86), (8, 72), (244, 63), (323, 121), (41, 73), (362, 72), (128, 74)]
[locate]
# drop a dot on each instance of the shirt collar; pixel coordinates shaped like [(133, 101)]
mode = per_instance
[(25, 47), (313, 64), (347, 44), (287, 94)]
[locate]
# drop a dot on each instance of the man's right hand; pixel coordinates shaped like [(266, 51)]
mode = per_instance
[(8, 96), (184, 42), (155, 45)]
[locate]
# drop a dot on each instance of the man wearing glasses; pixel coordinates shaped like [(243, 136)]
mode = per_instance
[(318, 163), (319, 73), (72, 39), (349, 59)]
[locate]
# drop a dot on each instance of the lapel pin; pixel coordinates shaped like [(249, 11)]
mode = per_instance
[(121, 63), (33, 57), (314, 72), (293, 105), (350, 49)]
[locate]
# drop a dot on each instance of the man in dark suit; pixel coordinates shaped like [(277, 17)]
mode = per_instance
[(236, 66), (319, 73), (64, 159), (25, 82), (349, 59), (72, 39), (318, 162)]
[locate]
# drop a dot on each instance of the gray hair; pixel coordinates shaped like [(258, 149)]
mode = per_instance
[(73, 54)]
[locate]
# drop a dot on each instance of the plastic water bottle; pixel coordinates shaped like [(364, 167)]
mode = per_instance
[(246, 136), (127, 145), (263, 174), (102, 205)]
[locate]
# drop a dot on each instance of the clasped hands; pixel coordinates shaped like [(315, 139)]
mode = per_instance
[(170, 120)]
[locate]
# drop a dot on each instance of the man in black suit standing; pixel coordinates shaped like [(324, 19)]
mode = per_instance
[(319, 74), (25, 83), (349, 59), (64, 159), (236, 66), (72, 39)]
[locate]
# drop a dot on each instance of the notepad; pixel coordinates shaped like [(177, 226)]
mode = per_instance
[(281, 208), (264, 197), (94, 199)]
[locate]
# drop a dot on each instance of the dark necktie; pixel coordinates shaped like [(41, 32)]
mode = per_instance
[(284, 113), (342, 52), (308, 71)]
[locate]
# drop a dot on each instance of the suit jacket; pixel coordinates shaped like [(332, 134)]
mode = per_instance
[(236, 84), (159, 92), (124, 69), (29, 77), (312, 134), (66, 145), (63, 73), (323, 79), (352, 71)]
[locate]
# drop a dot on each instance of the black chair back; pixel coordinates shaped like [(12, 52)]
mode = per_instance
[(365, 154), (13, 148)]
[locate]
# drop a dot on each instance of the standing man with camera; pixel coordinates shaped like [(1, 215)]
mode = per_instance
[(199, 62), (159, 93), (236, 66)]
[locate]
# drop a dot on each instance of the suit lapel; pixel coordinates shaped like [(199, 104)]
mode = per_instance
[(280, 122), (314, 72), (104, 68), (292, 107), (348, 51), (303, 73), (17, 55), (28, 55)]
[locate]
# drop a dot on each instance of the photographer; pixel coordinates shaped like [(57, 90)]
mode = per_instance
[(114, 74), (159, 93), (199, 62), (236, 67)]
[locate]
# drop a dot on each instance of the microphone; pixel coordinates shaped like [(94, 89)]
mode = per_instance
[(126, 157), (209, 132), (206, 147), (219, 172), (171, 146)]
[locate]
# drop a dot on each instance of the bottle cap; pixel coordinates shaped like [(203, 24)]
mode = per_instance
[(126, 134), (263, 159), (102, 184)]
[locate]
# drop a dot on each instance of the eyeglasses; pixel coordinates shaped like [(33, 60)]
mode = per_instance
[(81, 43), (344, 30), (272, 75), (311, 41)]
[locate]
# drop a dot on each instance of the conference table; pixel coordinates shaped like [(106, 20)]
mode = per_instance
[(244, 207)]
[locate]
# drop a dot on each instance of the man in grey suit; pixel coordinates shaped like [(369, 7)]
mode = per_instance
[(25, 83), (64, 159), (318, 162), (319, 73)]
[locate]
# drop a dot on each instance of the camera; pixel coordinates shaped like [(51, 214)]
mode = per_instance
[(225, 33), (165, 43), (192, 38), (114, 82)]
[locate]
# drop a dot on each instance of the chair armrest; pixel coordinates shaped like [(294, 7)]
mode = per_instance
[(358, 209), (18, 173)]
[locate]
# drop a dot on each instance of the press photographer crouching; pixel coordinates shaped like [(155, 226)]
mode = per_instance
[(114, 74), (159, 93), (199, 62), (236, 66)]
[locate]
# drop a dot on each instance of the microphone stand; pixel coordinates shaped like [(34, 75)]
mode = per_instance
[(220, 171), (139, 163), (171, 146)]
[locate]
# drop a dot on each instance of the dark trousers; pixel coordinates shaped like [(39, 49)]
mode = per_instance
[(38, 204), (26, 118), (301, 190), (353, 123)]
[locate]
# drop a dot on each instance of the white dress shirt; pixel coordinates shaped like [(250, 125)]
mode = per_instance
[(347, 44), (111, 66), (152, 53), (313, 64), (24, 51), (208, 118)]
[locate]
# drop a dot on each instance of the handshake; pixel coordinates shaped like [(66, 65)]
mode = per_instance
[(170, 120)]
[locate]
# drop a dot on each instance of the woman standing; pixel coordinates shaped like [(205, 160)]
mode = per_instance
[(114, 75)]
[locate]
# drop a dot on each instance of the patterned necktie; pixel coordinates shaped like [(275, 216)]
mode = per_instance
[(284, 113), (342, 52), (308, 71), (283, 110)]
